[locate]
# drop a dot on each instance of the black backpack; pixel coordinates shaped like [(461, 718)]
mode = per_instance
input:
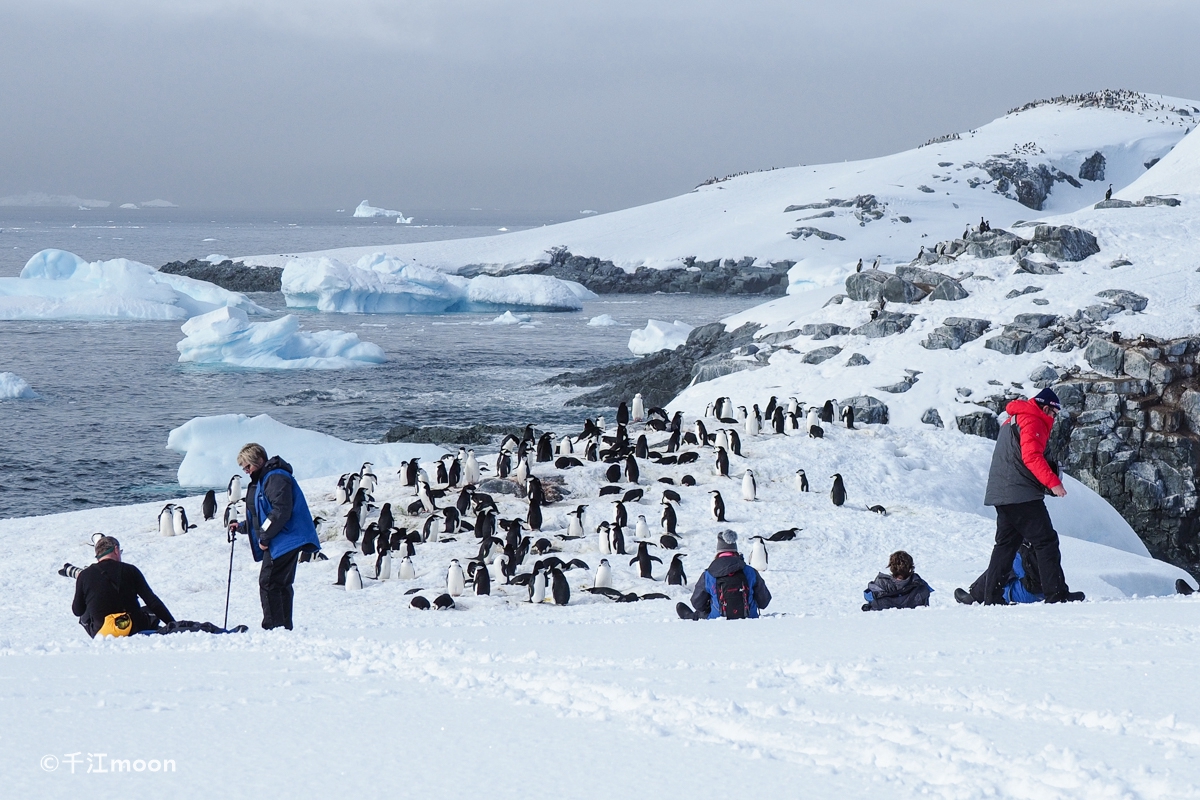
[(1033, 579), (733, 595)]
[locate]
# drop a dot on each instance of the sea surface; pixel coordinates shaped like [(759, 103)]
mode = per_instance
[(112, 391)]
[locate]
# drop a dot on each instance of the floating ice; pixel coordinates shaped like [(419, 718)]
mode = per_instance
[(658, 335), (56, 284), (366, 210), (14, 387), (226, 336), (509, 318), (602, 321), (215, 258), (379, 284), (210, 446)]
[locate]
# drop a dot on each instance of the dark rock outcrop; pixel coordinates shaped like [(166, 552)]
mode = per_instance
[(234, 276), (871, 284), (445, 435), (954, 332), (932, 417), (868, 410), (1092, 168), (821, 355), (886, 324), (979, 423)]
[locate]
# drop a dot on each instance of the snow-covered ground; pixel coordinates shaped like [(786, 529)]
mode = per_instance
[(60, 285), (227, 336)]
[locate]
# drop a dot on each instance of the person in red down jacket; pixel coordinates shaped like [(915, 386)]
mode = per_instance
[(1018, 481)]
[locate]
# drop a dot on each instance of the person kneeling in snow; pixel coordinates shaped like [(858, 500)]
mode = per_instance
[(903, 588), (107, 592), (1021, 585), (729, 588)]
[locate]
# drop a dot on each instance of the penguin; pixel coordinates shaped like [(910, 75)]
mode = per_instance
[(455, 470), (482, 581), (721, 439), (749, 488), (425, 497), (411, 470), (545, 448), (813, 418), (604, 539), (633, 496), (420, 603), (617, 540), (407, 571), (673, 442), (632, 473), (537, 585), (722, 463), (344, 565), (741, 414), (816, 432), (383, 566), (235, 489), (603, 575), (758, 554), (751, 425), (351, 528), (792, 422), (638, 411), (369, 535), (179, 521), (560, 590), (701, 433), (779, 421), (230, 515), (613, 473), (669, 518), (675, 574), (534, 517), (718, 506), (785, 535), (575, 522), (793, 406), (353, 579), (620, 515), (454, 578), (622, 414), (827, 412), (858, 267), (166, 520), (643, 559), (209, 507), (769, 411), (801, 480), (848, 416), (443, 602), (641, 530), (735, 443), (430, 531), (880, 510), (642, 448), (503, 463), (521, 473), (838, 493), (470, 469), (1108, 194), (687, 480), (498, 569)]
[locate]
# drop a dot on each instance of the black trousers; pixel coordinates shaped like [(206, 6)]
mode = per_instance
[(1029, 522), (275, 588)]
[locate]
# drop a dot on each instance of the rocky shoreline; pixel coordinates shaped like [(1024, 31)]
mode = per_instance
[(234, 276)]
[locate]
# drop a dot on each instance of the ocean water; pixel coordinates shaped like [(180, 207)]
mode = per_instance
[(112, 391), (156, 236)]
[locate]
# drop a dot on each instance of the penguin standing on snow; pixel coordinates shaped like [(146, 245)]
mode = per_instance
[(758, 554), (575, 522), (801, 480), (751, 425), (209, 506), (622, 414), (603, 575), (643, 559), (560, 590), (545, 447), (1108, 194), (838, 493), (534, 517), (537, 584), (848, 416), (779, 421), (675, 574), (642, 529), (482, 581), (455, 580), (603, 539), (616, 537), (620, 515), (407, 571), (235, 489), (827, 412), (669, 518), (166, 520), (749, 487), (632, 473), (722, 463), (639, 408), (718, 506), (353, 579)]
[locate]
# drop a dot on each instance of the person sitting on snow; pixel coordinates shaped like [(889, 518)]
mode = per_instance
[(1021, 585), (729, 588), (107, 592), (903, 588)]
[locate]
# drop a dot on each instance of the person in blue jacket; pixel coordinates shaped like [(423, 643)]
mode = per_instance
[(903, 588), (279, 526), (729, 588), (1021, 584)]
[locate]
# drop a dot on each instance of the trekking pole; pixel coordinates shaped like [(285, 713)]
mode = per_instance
[(229, 583)]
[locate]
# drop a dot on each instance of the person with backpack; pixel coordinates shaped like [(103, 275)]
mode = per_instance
[(1021, 585), (279, 526), (107, 592), (729, 588), (903, 588), (1018, 481)]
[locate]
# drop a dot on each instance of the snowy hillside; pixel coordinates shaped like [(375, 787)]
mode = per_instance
[(826, 217)]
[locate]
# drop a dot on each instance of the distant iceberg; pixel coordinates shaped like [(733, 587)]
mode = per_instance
[(159, 203), (379, 284), (132, 206), (658, 335), (227, 336), (366, 210), (210, 445), (56, 284), (43, 200), (602, 321), (14, 387)]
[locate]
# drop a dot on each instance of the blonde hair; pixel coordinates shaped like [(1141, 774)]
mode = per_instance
[(251, 454)]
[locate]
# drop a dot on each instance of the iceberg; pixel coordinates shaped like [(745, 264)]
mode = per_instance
[(227, 336), (365, 209), (14, 387), (380, 284), (56, 284), (658, 335), (210, 445), (509, 318), (602, 321)]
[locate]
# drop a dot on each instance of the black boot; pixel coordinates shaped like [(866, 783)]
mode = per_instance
[(1067, 597), (964, 597), (685, 611)]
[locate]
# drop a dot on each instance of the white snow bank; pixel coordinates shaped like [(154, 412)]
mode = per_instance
[(602, 321), (658, 335), (14, 387), (380, 284), (210, 446), (226, 336), (56, 284), (1178, 172), (365, 209)]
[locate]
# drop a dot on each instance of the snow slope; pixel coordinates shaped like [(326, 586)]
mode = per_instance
[(60, 285), (226, 336), (745, 216)]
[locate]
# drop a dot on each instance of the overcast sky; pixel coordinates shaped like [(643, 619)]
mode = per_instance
[(528, 105)]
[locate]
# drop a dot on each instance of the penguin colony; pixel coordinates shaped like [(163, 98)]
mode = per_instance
[(529, 538)]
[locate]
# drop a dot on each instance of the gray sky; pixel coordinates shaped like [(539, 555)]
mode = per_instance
[(527, 105)]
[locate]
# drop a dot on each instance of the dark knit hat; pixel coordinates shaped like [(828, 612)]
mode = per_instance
[(106, 545), (727, 540), (1047, 397)]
